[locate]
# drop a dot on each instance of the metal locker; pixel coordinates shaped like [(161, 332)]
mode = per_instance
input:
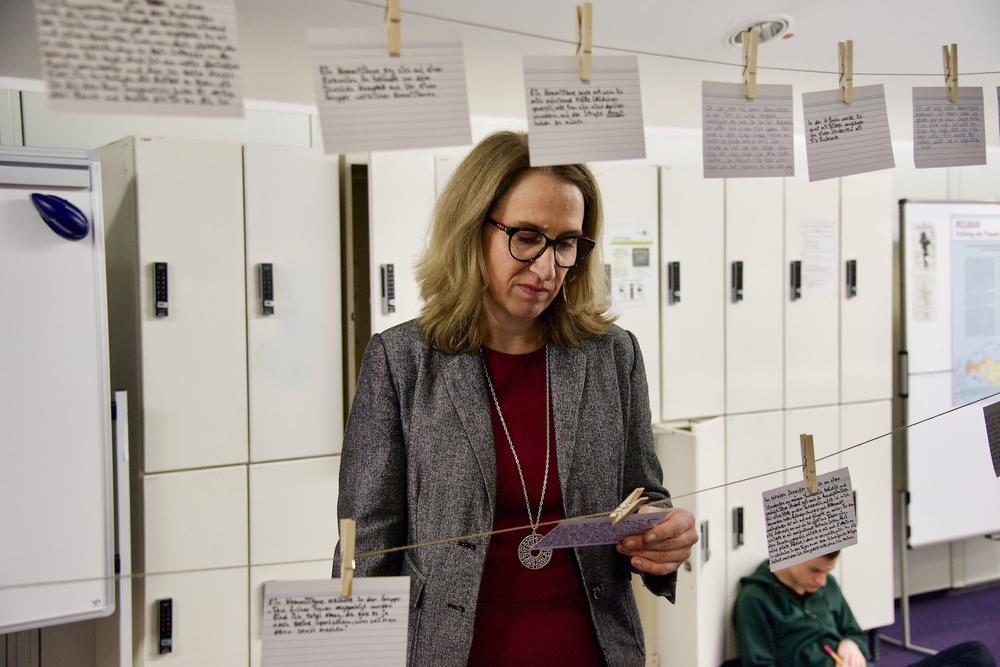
[(691, 632), (866, 357), (630, 195), (754, 446), (176, 273), (293, 302), (754, 280), (194, 520), (812, 244), (867, 567), (692, 307)]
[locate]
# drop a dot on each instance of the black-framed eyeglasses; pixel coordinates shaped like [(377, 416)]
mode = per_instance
[(527, 245)]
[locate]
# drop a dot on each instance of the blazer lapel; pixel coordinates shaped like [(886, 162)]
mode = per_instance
[(568, 371), (468, 391)]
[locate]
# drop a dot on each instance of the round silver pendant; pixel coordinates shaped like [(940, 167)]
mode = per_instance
[(533, 561)]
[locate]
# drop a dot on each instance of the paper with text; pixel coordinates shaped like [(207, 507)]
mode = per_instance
[(170, 57), (371, 101), (309, 623), (844, 139), (571, 121), (945, 133), (745, 138), (599, 531), (803, 525), (992, 415)]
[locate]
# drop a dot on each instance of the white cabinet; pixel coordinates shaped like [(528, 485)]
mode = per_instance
[(867, 567), (866, 287), (692, 305), (754, 280), (754, 446), (690, 633), (293, 247), (630, 195), (811, 291)]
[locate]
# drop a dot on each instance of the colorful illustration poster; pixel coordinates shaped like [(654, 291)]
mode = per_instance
[(975, 306)]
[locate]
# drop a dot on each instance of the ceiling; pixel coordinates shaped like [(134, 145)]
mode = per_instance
[(890, 36)]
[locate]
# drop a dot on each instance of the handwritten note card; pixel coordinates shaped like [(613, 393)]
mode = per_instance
[(803, 525), (742, 137), (309, 623), (172, 57), (572, 121), (844, 139), (992, 415), (597, 531), (947, 134), (371, 101)]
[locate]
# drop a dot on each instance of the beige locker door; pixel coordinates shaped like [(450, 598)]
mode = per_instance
[(196, 520), (867, 567), (754, 351), (754, 446), (295, 354), (693, 330), (630, 195), (866, 310), (194, 363), (812, 239)]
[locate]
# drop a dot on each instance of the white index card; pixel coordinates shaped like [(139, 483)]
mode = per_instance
[(803, 525), (844, 139), (170, 57), (571, 121), (946, 133), (746, 138), (310, 623), (371, 101)]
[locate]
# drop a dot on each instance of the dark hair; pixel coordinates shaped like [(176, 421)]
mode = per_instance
[(832, 555)]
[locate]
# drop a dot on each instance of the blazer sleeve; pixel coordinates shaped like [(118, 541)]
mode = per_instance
[(373, 467), (642, 467)]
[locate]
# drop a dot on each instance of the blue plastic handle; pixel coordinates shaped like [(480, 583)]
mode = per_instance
[(62, 217)]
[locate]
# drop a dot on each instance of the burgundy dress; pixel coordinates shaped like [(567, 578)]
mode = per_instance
[(527, 617)]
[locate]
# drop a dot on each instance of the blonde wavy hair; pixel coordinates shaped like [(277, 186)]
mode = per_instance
[(452, 272)]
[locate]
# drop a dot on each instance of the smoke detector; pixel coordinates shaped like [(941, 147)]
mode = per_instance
[(774, 27)]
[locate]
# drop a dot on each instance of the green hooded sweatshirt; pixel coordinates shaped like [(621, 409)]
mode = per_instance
[(775, 626)]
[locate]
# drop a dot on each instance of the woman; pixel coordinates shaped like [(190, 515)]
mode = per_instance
[(512, 400)]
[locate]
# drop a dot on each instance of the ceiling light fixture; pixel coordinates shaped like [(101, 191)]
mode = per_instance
[(773, 27)]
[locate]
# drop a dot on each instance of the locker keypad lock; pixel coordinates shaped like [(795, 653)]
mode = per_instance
[(267, 289), (706, 552), (160, 292), (388, 272), (166, 617), (738, 526), (673, 282), (795, 280), (852, 278), (737, 281)]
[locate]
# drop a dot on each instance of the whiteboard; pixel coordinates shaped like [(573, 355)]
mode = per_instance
[(55, 418), (953, 490)]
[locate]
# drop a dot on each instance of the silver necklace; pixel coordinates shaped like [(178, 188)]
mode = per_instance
[(541, 557)]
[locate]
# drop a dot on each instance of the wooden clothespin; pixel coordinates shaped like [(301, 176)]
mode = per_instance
[(808, 462), (749, 40), (845, 52), (348, 530), (951, 71), (585, 25), (629, 505), (392, 20)]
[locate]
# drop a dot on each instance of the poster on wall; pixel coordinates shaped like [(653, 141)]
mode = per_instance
[(631, 272), (975, 248)]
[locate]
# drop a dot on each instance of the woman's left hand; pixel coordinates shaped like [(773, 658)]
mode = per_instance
[(662, 548)]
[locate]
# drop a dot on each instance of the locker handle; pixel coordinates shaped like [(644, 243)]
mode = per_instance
[(737, 281), (795, 279), (852, 278), (706, 552), (266, 274), (674, 282), (161, 302), (738, 526)]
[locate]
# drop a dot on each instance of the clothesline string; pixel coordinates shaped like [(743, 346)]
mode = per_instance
[(457, 538), (641, 52)]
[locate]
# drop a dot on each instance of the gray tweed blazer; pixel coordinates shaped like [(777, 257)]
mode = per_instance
[(418, 465)]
